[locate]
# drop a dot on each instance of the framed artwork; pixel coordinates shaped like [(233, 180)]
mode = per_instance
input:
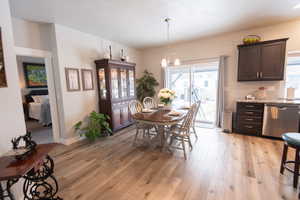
[(3, 81), (72, 78), (35, 75), (87, 79)]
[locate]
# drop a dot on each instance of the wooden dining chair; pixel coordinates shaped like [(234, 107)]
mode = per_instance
[(181, 132), (136, 107), (149, 102), (198, 104)]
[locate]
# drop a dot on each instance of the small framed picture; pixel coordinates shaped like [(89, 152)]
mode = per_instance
[(72, 77), (87, 79)]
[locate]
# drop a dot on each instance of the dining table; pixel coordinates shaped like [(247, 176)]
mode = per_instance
[(162, 119)]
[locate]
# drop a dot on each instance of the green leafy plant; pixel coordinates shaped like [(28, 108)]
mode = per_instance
[(146, 85), (97, 126)]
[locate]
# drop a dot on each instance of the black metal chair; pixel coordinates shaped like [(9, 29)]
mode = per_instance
[(291, 140)]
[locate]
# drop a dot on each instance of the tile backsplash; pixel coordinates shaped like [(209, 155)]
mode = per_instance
[(234, 92)]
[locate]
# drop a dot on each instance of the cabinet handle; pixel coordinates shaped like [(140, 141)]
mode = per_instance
[(249, 126), (283, 109), (248, 119), (251, 113), (257, 74), (261, 74), (249, 106)]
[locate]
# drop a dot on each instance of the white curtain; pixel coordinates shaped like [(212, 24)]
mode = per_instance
[(163, 77), (220, 92)]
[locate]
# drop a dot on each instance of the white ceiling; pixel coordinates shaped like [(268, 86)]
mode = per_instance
[(139, 23)]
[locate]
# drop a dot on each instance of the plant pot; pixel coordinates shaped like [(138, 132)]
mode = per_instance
[(167, 107)]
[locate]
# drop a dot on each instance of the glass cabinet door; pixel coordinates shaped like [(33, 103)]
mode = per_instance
[(131, 83), (114, 83), (124, 85), (102, 83)]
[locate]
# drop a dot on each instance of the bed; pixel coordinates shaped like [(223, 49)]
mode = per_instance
[(39, 106)]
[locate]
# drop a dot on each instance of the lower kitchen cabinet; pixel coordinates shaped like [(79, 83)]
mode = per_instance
[(249, 118)]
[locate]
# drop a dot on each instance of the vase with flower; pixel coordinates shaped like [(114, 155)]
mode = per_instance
[(166, 97)]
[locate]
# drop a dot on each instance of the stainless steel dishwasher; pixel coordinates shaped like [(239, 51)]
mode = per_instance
[(280, 118)]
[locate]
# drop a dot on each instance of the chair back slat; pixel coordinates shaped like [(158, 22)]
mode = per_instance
[(187, 123), (135, 107), (149, 103), (198, 103)]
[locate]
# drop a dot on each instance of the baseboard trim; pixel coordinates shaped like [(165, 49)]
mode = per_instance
[(72, 140)]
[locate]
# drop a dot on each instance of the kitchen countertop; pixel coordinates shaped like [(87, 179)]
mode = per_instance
[(296, 102)]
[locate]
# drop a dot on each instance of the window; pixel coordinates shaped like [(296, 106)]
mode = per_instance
[(206, 83), (293, 74), (195, 82)]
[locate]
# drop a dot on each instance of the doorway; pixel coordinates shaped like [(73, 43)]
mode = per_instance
[(37, 86), (196, 82), (35, 98)]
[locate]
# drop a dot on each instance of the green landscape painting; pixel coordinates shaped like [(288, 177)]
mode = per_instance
[(35, 75)]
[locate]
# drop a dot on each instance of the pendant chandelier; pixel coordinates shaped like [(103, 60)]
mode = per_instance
[(166, 60)]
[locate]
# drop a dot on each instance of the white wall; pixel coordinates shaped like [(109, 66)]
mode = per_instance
[(226, 44), (31, 34), (79, 50), (70, 48), (11, 112), (38, 39)]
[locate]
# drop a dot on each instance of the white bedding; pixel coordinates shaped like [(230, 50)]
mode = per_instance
[(35, 110)]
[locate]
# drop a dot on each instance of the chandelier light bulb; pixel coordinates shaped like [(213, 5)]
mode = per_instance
[(164, 62), (177, 62)]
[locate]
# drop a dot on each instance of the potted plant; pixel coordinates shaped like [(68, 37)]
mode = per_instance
[(97, 126), (166, 96), (146, 85)]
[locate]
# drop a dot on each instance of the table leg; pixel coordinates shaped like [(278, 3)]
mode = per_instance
[(161, 139), (166, 144), (161, 132), (6, 193), (40, 183), (1, 192)]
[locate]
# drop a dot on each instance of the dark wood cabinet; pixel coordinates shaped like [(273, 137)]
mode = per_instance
[(273, 61), (116, 89), (249, 63), (249, 118), (263, 61)]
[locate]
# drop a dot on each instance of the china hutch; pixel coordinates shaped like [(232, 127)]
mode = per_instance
[(116, 89)]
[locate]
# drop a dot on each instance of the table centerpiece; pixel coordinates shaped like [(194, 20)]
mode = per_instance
[(166, 96)]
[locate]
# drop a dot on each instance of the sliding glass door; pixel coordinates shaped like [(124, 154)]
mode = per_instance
[(193, 83), (179, 81), (204, 88)]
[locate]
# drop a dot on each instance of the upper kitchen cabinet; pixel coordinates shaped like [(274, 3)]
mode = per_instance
[(263, 61), (249, 63)]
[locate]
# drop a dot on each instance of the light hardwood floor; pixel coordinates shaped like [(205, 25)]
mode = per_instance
[(221, 167)]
